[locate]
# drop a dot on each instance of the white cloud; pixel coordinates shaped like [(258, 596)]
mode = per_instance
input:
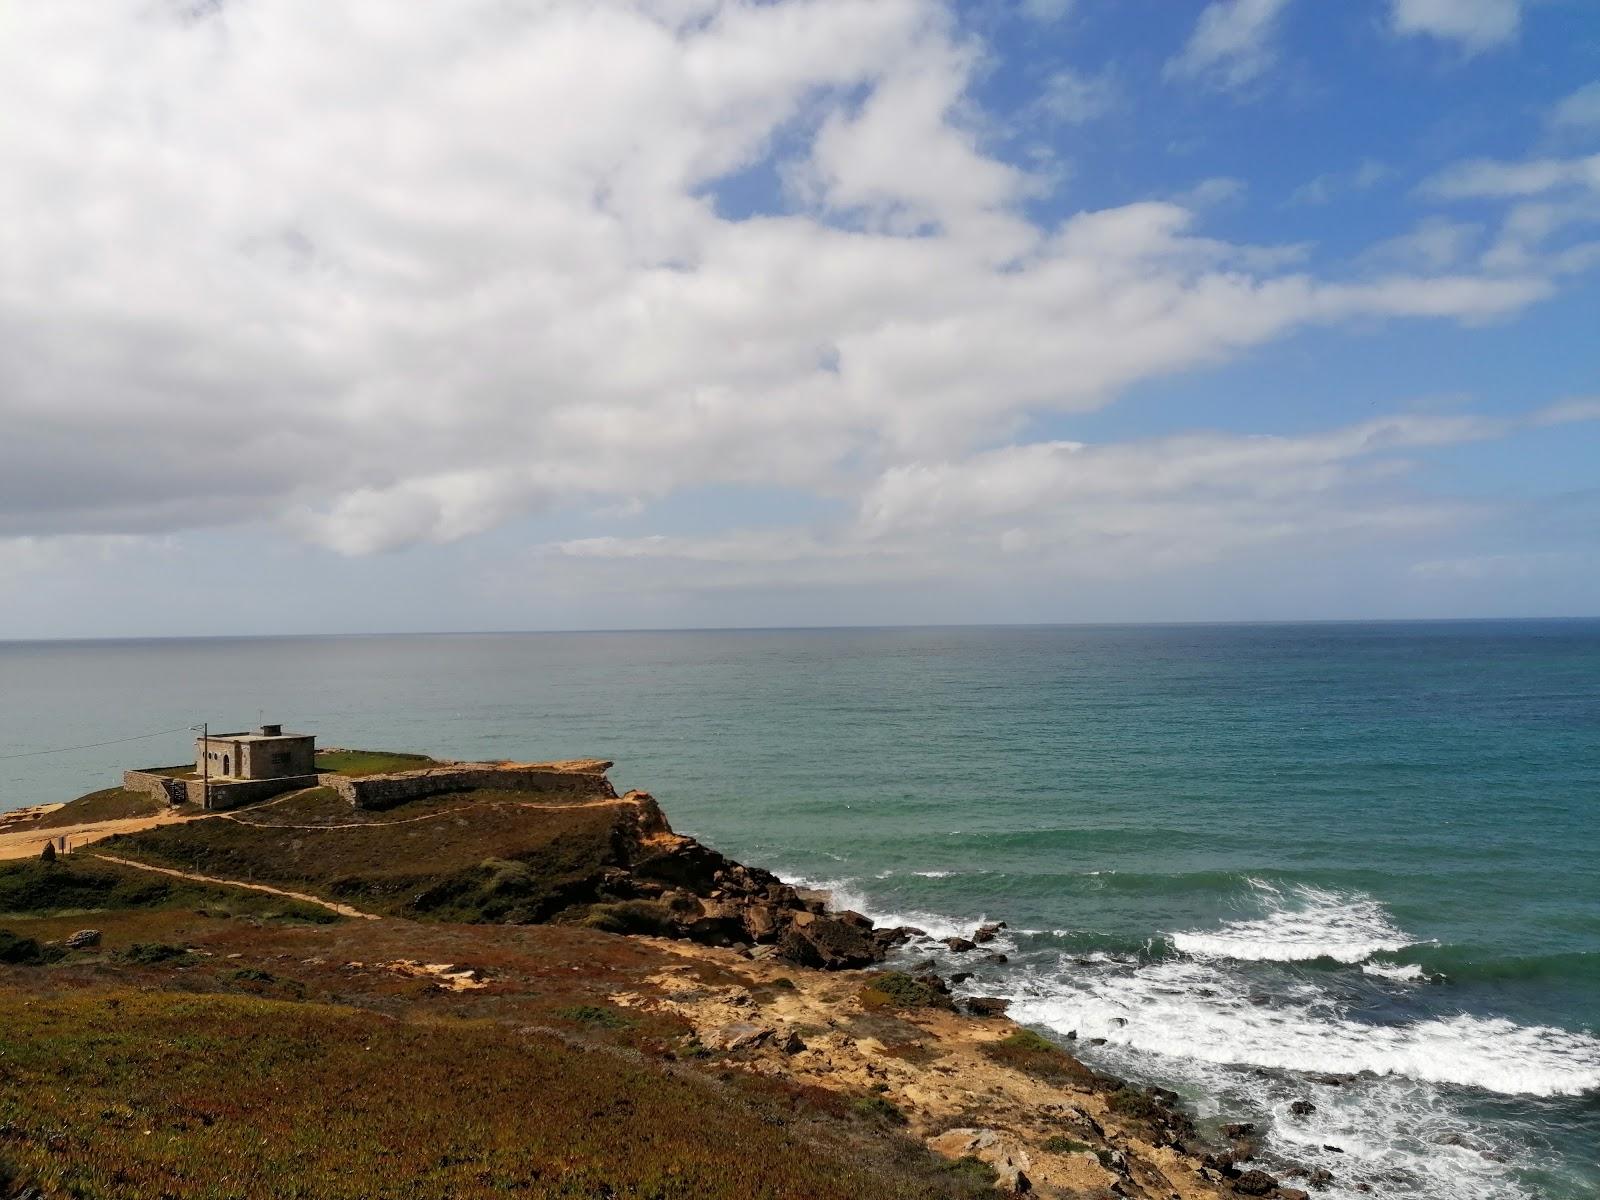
[(1325, 187), (1489, 178), (1071, 510), (1231, 45), (1047, 10), (396, 274), (1436, 244), (1580, 111), (1474, 25), (1074, 97)]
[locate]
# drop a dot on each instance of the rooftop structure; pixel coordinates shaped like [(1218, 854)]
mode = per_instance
[(268, 753)]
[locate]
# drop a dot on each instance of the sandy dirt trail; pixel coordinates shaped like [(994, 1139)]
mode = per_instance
[(344, 910), (29, 843)]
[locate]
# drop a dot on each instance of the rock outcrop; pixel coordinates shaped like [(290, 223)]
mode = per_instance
[(669, 885)]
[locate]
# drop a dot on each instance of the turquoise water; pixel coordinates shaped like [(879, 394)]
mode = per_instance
[(1356, 864)]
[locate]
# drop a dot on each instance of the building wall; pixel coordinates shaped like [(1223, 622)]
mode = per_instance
[(162, 787), (261, 758), (386, 791), (234, 792)]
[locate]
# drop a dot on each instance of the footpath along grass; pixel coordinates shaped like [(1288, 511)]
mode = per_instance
[(211, 1096), (497, 859)]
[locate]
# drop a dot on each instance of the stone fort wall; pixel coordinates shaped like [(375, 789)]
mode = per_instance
[(574, 782)]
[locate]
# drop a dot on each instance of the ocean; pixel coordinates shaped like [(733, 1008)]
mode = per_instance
[(1351, 864)]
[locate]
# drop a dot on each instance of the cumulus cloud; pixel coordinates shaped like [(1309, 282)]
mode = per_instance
[(1578, 112), (1474, 25), (398, 274), (1231, 45), (1495, 179), (1074, 510)]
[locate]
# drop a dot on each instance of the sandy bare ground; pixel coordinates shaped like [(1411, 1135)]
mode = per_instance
[(931, 1065), (28, 843), (344, 910)]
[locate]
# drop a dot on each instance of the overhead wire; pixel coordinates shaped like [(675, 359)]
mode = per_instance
[(94, 745)]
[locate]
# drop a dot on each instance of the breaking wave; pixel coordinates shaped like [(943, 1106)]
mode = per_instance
[(1302, 923)]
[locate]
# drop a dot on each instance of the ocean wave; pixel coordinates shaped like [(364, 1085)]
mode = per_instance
[(1399, 972), (1302, 923), (1191, 1010)]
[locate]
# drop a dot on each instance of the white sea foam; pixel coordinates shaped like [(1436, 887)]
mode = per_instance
[(1193, 1010), (1400, 972), (1301, 924)]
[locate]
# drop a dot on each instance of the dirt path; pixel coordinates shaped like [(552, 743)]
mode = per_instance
[(28, 843), (344, 910)]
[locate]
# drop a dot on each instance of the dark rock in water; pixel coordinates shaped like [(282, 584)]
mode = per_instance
[(83, 939), (996, 957), (960, 945), (1332, 1080), (1320, 1178), (1239, 1129), (1255, 1182), (1302, 1108), (850, 917), (926, 964), (1072, 1035), (1333, 1149), (1289, 1193), (932, 980), (988, 933), (987, 1006), (1097, 1041), (960, 977), (899, 935)]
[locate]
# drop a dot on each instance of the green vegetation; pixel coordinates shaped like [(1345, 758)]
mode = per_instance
[(110, 804), (1057, 1144), (83, 884), (973, 1172), (897, 990), (602, 1016), (1026, 1051), (878, 1108), (630, 916), (370, 762), (210, 1096), (502, 861), (25, 951), (155, 954)]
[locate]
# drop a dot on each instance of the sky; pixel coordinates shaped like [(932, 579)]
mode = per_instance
[(570, 314)]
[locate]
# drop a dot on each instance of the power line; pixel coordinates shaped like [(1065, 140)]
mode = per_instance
[(94, 745)]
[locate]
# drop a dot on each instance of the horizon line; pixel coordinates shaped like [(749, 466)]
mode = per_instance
[(839, 628)]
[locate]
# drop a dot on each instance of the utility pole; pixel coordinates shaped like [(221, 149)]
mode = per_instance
[(205, 763)]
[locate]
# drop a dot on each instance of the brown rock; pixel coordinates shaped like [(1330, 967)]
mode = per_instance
[(987, 1006), (960, 945), (828, 944), (1255, 1183)]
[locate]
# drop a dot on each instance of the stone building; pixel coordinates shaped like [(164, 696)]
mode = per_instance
[(268, 753)]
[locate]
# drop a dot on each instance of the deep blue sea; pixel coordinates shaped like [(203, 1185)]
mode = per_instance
[(1356, 864)]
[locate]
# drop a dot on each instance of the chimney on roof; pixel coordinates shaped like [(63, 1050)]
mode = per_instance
[(272, 731)]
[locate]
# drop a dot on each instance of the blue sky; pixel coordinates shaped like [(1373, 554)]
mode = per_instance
[(703, 313)]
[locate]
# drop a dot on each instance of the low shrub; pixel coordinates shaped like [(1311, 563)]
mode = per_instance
[(600, 1016), (878, 1108), (25, 951), (631, 916), (154, 954), (1026, 1051), (897, 990)]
